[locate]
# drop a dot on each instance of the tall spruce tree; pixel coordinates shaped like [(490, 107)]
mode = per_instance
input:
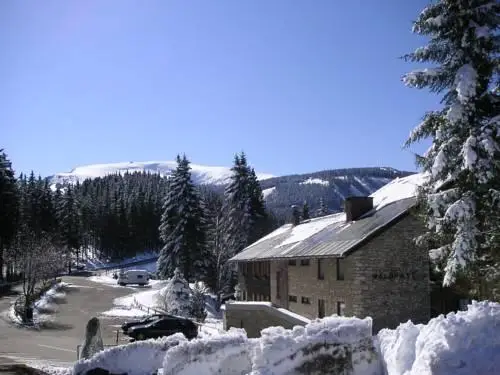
[(8, 207), (182, 228), (462, 194), (244, 217), (237, 219)]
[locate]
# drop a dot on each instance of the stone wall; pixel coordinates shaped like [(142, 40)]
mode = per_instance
[(254, 317), (391, 281), (387, 279)]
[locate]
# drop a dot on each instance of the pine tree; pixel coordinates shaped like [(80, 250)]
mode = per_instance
[(462, 195), (305, 211), (237, 220), (68, 217), (260, 224), (322, 210), (244, 219), (295, 215), (9, 201), (182, 227)]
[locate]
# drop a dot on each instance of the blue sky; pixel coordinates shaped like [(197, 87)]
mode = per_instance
[(299, 85)]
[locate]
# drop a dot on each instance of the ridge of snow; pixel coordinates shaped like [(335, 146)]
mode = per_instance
[(201, 174)]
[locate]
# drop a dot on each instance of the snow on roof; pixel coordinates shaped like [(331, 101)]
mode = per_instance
[(307, 229), (267, 192), (398, 189)]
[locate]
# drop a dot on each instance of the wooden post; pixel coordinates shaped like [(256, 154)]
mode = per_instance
[(117, 333)]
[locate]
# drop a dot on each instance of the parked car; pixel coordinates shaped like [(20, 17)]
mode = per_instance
[(149, 319), (139, 277), (165, 326)]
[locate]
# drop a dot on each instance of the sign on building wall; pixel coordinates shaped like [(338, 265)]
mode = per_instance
[(396, 274)]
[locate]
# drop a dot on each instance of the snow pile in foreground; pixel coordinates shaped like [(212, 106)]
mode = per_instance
[(227, 353), (325, 346), (138, 358), (462, 343)]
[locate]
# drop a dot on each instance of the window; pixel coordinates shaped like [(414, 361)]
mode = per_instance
[(340, 269), (292, 298), (278, 284), (340, 308), (321, 271), (292, 262), (304, 262), (321, 308), (306, 300), (244, 296)]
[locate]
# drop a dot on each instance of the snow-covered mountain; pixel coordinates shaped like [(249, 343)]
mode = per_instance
[(201, 174), (333, 186)]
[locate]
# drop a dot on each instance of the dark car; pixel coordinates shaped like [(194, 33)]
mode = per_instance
[(147, 320), (165, 326)]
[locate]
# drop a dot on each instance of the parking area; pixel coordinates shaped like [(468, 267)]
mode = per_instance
[(56, 344)]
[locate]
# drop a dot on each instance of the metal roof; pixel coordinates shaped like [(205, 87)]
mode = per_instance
[(334, 238)]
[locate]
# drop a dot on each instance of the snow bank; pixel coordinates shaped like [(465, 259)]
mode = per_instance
[(48, 301), (462, 343), (325, 346), (227, 353), (138, 358)]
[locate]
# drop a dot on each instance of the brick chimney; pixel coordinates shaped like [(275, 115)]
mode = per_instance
[(355, 207)]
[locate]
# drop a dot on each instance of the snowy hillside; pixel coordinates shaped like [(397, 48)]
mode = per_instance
[(201, 174), (333, 186)]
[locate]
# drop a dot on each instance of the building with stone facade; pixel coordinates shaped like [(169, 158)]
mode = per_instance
[(360, 262)]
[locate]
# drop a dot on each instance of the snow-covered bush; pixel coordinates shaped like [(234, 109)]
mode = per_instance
[(175, 297), (462, 343), (197, 300), (333, 345), (138, 358), (227, 353)]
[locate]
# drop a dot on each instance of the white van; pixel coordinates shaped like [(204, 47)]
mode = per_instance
[(140, 277)]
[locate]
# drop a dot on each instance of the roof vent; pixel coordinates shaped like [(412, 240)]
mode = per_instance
[(355, 207)]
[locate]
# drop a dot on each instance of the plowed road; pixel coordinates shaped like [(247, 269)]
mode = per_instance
[(57, 343)]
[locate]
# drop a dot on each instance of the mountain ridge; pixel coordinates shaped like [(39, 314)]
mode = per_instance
[(201, 174)]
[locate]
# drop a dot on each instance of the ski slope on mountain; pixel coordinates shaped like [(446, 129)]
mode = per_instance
[(201, 174)]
